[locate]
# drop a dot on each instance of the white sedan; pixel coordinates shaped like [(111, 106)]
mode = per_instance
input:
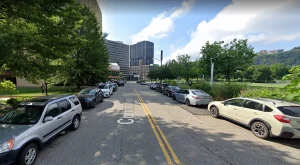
[(107, 89)]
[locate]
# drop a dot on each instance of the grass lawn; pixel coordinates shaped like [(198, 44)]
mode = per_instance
[(267, 85), (36, 91)]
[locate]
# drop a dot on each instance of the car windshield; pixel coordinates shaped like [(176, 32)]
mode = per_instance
[(290, 110), (103, 86), (23, 115), (113, 85), (87, 92), (175, 88)]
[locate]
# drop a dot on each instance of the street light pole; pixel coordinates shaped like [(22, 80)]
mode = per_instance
[(211, 72), (161, 58)]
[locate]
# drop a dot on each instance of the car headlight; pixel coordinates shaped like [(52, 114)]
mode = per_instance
[(7, 146), (90, 99)]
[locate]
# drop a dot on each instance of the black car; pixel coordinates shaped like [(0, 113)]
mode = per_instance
[(161, 87), (89, 97), (121, 83), (170, 90), (115, 86)]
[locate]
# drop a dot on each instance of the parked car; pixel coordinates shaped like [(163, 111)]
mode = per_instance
[(89, 97), (115, 86), (265, 117), (192, 97), (153, 86), (143, 83), (170, 90), (161, 87), (107, 89), (121, 83), (25, 128)]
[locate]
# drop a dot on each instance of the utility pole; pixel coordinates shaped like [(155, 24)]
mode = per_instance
[(211, 72), (161, 59)]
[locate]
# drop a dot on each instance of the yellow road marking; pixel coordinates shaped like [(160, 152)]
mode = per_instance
[(154, 125)]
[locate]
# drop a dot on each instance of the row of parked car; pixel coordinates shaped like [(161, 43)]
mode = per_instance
[(25, 128), (188, 96), (265, 117)]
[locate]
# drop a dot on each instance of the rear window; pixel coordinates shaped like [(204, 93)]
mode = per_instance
[(199, 93), (291, 111)]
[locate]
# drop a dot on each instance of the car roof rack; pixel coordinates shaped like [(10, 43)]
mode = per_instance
[(266, 99)]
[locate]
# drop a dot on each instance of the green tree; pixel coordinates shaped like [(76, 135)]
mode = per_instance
[(8, 86), (278, 71), (293, 86), (89, 64), (184, 66), (34, 34), (262, 73), (228, 58)]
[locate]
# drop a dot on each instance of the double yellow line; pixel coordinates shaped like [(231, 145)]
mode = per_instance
[(161, 138)]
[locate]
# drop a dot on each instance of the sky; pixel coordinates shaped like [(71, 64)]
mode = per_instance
[(183, 26)]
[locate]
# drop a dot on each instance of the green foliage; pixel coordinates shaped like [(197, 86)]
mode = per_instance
[(294, 87), (89, 64), (15, 101), (12, 102), (287, 58), (202, 85), (226, 90), (183, 66), (8, 86), (228, 58), (183, 86), (264, 93)]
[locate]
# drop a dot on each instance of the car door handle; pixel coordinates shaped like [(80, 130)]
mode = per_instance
[(255, 113), (72, 110), (234, 109), (58, 118)]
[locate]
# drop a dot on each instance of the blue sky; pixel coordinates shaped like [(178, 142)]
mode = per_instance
[(183, 26)]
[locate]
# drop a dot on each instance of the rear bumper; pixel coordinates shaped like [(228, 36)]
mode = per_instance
[(86, 104), (200, 102), (289, 132), (8, 157)]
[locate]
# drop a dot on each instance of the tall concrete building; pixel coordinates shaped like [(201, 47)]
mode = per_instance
[(118, 53), (94, 6), (142, 50)]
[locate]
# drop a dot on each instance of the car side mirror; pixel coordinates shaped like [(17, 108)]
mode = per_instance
[(48, 118)]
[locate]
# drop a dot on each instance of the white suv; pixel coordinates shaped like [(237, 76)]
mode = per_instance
[(265, 117)]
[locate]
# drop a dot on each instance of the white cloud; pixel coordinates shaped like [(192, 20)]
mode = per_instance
[(258, 21), (161, 25)]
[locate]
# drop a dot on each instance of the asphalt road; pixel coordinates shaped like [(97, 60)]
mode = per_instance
[(194, 137)]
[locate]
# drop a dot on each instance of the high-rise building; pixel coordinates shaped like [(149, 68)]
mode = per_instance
[(94, 7), (118, 53), (142, 50), (263, 52)]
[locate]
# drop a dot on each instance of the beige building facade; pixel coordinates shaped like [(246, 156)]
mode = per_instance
[(94, 6)]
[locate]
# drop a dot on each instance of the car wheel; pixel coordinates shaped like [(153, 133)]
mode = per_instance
[(214, 112), (75, 123), (174, 97), (187, 102), (101, 99), (259, 129), (28, 155), (93, 104)]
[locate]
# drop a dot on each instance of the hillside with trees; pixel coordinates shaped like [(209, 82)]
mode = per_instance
[(289, 58)]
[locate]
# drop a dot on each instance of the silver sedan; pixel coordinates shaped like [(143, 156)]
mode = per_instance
[(192, 97)]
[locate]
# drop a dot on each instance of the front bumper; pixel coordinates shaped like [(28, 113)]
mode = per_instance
[(86, 104), (105, 94), (289, 132), (8, 157)]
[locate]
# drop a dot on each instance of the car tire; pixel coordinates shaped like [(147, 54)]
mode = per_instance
[(93, 104), (30, 149), (75, 123), (187, 102), (214, 112), (101, 99), (174, 97), (260, 130)]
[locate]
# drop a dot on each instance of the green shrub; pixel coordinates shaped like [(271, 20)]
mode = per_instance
[(15, 101), (223, 91), (202, 85), (183, 86), (8, 86), (12, 102)]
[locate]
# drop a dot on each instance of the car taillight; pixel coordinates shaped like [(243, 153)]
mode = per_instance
[(197, 97), (282, 119)]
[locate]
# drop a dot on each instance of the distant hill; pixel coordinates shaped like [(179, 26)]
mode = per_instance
[(290, 58)]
